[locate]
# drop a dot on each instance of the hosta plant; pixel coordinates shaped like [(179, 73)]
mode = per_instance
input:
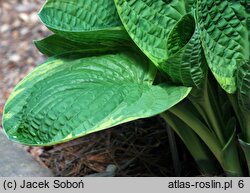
[(114, 61)]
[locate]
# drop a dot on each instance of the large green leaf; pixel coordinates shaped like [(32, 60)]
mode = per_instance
[(76, 19), (246, 149), (56, 45), (185, 64), (224, 35), (243, 83), (69, 96), (149, 22)]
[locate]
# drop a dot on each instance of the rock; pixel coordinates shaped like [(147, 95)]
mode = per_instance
[(25, 7), (16, 162), (24, 17), (24, 31), (14, 58), (4, 28), (110, 172)]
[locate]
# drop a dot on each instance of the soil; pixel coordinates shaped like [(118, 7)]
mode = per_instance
[(138, 148)]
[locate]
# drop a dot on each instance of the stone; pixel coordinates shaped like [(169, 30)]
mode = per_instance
[(17, 162)]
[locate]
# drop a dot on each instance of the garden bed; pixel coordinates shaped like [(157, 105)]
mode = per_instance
[(138, 148)]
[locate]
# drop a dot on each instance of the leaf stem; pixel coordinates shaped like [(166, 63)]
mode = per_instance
[(198, 127), (196, 147), (247, 127), (243, 117), (208, 108), (174, 151)]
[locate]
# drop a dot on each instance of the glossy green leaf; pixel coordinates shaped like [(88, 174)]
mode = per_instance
[(185, 64), (149, 23), (224, 33), (230, 156), (243, 83), (69, 96), (243, 98), (77, 19), (246, 149), (56, 45)]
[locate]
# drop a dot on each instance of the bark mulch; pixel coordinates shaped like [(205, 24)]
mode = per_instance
[(138, 148)]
